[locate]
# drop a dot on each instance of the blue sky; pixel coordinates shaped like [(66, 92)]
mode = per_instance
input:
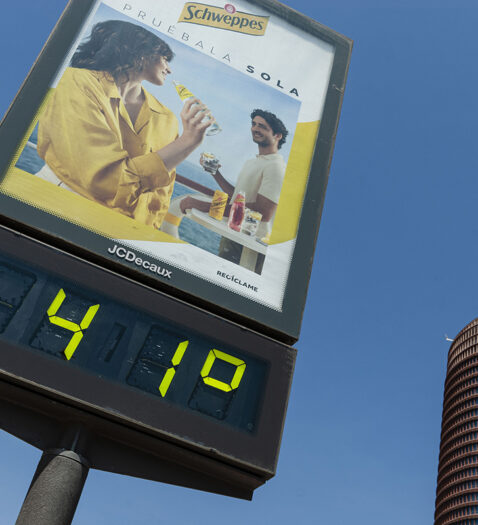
[(395, 270)]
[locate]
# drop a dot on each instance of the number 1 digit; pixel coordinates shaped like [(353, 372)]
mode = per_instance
[(170, 372)]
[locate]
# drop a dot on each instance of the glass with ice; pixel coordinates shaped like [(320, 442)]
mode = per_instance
[(209, 162), (251, 222)]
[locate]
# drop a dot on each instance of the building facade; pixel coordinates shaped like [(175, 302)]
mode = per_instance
[(457, 484)]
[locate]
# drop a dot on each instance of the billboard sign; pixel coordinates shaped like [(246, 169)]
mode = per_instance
[(154, 138)]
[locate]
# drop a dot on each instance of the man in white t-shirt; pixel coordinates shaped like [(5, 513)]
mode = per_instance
[(260, 179)]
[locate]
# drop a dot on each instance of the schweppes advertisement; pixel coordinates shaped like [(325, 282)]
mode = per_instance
[(224, 18), (168, 132)]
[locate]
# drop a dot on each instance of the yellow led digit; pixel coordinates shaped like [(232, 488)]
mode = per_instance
[(206, 369), (69, 325), (170, 372)]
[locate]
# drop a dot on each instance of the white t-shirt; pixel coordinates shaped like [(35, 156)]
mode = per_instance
[(262, 175)]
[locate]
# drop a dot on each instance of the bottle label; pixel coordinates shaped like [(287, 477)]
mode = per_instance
[(218, 205), (183, 92)]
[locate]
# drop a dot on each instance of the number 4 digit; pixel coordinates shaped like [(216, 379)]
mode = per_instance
[(69, 325)]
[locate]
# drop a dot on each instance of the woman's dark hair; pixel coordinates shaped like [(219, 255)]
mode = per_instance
[(120, 48), (274, 122)]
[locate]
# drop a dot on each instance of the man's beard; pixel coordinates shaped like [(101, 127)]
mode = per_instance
[(261, 141)]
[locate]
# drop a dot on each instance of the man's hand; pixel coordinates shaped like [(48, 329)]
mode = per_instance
[(185, 204), (190, 202), (201, 161)]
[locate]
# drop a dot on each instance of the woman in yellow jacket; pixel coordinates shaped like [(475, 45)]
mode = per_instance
[(105, 137)]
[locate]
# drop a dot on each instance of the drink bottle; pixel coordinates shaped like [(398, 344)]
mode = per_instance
[(185, 94), (236, 216), (218, 205)]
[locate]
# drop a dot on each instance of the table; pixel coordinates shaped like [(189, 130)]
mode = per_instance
[(77, 209), (251, 247)]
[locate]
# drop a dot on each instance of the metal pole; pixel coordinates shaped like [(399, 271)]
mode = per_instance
[(55, 489)]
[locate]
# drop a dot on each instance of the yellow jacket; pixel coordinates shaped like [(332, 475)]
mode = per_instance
[(87, 138)]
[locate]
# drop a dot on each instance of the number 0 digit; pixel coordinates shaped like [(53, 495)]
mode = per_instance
[(206, 369), (69, 325)]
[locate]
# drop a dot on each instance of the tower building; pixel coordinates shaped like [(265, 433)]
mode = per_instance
[(457, 483)]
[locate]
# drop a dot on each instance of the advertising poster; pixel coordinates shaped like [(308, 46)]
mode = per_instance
[(161, 108)]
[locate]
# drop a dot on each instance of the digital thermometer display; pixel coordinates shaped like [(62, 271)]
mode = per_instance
[(112, 340)]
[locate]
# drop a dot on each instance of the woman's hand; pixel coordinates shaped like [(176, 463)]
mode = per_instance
[(194, 130), (195, 122)]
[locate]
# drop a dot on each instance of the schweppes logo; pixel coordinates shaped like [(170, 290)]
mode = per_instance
[(224, 18)]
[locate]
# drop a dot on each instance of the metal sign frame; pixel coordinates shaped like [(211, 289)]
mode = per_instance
[(283, 325)]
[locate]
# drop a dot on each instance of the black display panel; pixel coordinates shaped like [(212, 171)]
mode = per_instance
[(116, 342), (154, 387)]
